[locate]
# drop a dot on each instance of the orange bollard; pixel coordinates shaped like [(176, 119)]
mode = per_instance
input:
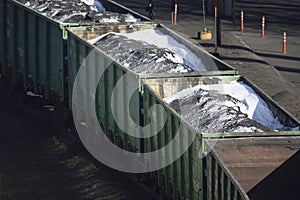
[(175, 15), (263, 27), (242, 21), (284, 43)]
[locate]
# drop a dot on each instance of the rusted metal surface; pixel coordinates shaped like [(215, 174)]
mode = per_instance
[(264, 168), (91, 32), (166, 87)]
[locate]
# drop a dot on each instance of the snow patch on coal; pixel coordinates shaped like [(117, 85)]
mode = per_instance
[(157, 52), (233, 107), (161, 40), (141, 57), (75, 11)]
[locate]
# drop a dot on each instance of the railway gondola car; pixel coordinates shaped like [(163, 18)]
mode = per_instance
[(41, 55), (264, 167), (186, 177), (79, 50), (33, 53)]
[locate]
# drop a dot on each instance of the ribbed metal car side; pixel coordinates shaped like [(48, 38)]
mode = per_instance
[(112, 72), (33, 50), (2, 33), (79, 49), (220, 184), (186, 177), (244, 168), (181, 179)]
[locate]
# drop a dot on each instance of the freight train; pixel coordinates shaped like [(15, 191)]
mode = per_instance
[(47, 59)]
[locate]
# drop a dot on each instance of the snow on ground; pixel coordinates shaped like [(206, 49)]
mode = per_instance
[(248, 102)]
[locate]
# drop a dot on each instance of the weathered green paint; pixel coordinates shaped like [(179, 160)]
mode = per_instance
[(78, 52), (192, 174), (35, 49), (2, 28), (226, 178)]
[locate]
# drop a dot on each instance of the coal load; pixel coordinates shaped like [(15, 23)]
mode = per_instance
[(212, 112), (141, 57), (74, 11)]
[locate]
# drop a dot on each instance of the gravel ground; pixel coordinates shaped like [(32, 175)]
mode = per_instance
[(37, 163)]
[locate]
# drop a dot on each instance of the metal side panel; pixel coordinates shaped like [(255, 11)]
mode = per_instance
[(189, 173), (21, 33), (150, 144), (166, 87), (11, 40), (253, 167), (72, 66), (184, 163), (183, 177), (43, 52), (177, 163), (56, 57), (171, 175), (197, 170), (76, 55), (109, 86), (83, 52), (147, 120), (78, 50), (154, 142), (32, 42), (134, 108), (101, 106), (114, 93), (2, 35), (161, 142), (118, 104), (35, 49)]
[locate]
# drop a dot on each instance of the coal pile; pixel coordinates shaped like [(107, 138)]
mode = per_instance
[(211, 112), (141, 57), (74, 11)]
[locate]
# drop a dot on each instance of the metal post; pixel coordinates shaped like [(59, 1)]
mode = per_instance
[(242, 21), (284, 43), (263, 27), (203, 11), (216, 43), (218, 26), (175, 15)]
